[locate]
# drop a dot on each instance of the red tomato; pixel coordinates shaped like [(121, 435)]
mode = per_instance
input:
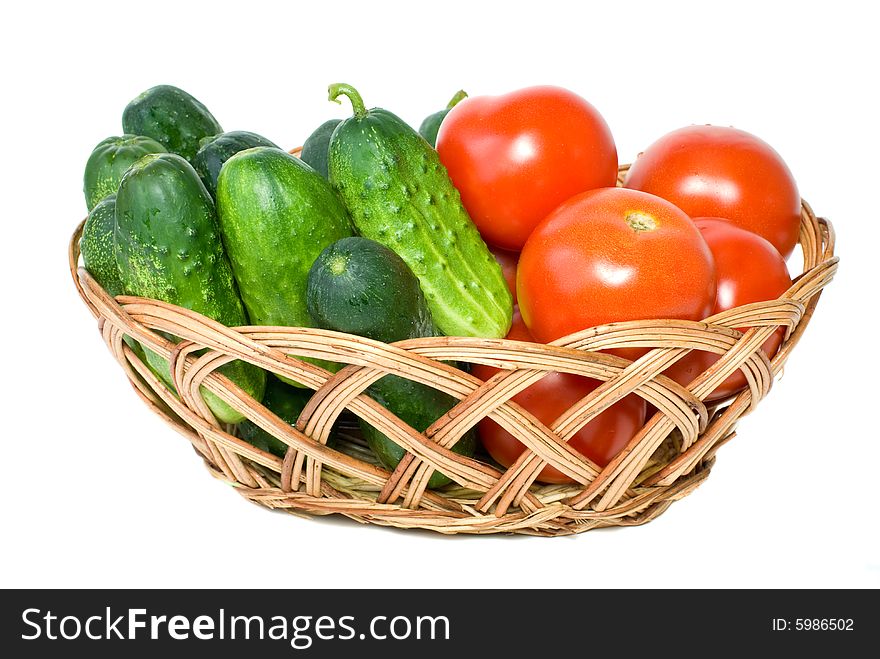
[(507, 261), (600, 440), (723, 172), (612, 255), (516, 157), (749, 270)]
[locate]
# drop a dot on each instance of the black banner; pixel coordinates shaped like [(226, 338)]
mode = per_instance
[(317, 623)]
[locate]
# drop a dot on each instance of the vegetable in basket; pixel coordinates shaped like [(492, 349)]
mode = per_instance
[(721, 171), (612, 255), (217, 149), (99, 256), (600, 440), (399, 194), (108, 162), (276, 215), (168, 247), (361, 287), (517, 156), (316, 148), (172, 117), (765, 278), (287, 403)]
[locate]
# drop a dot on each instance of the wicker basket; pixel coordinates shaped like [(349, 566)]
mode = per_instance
[(665, 461)]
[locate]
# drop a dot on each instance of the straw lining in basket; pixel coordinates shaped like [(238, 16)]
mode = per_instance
[(665, 461)]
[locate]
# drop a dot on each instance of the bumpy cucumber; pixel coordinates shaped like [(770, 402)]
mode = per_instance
[(216, 150), (108, 162), (99, 258), (168, 247), (96, 246), (361, 287), (317, 145), (399, 194), (276, 215), (431, 124), (172, 117)]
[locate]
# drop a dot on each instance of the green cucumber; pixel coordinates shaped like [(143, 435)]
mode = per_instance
[(168, 247), (99, 257), (217, 149), (419, 406), (399, 194), (108, 162), (172, 117), (361, 287), (317, 145), (431, 124), (277, 215), (285, 402), (96, 246)]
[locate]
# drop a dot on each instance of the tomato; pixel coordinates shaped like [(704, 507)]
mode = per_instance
[(515, 157), (507, 260), (723, 172), (600, 440), (612, 255), (749, 269)]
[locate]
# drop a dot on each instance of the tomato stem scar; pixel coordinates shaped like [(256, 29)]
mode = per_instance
[(639, 221)]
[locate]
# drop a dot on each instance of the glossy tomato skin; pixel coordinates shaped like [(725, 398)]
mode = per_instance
[(613, 255), (749, 269), (507, 260), (600, 440), (515, 157), (723, 172)]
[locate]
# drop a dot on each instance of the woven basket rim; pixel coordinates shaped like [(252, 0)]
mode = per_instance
[(315, 479)]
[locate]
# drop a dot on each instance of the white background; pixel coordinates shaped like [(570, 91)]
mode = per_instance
[(96, 491)]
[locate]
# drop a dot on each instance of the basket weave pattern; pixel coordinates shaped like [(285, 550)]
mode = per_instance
[(665, 461)]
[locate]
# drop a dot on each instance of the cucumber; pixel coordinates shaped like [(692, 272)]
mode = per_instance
[(277, 215), (96, 246), (168, 247), (399, 194), (99, 258), (287, 403), (108, 162), (360, 286), (316, 147), (431, 124), (172, 117), (419, 406), (216, 150)]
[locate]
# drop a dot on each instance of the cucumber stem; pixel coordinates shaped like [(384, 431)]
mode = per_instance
[(460, 95), (343, 89)]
